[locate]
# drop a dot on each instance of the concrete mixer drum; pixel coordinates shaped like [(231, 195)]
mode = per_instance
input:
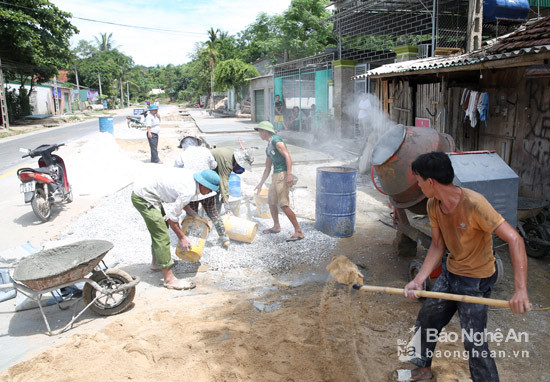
[(393, 155)]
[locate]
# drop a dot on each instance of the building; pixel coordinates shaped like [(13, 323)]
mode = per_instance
[(513, 71), (42, 97)]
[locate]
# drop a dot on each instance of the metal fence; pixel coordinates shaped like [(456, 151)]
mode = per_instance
[(304, 88)]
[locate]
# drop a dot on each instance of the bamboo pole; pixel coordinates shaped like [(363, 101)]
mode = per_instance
[(428, 294)]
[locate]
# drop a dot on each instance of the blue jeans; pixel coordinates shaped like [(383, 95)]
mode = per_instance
[(436, 313)]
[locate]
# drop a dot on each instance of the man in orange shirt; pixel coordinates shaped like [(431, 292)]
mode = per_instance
[(462, 221)]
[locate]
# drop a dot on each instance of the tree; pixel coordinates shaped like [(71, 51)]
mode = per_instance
[(304, 30), (113, 65), (34, 40), (105, 42), (301, 31), (233, 73), (212, 53)]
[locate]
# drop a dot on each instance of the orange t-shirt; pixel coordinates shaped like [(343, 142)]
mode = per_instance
[(467, 234)]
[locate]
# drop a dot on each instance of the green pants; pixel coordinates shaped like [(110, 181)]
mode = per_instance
[(158, 229)]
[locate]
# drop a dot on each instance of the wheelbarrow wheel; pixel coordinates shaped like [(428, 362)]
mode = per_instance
[(535, 231), (108, 305)]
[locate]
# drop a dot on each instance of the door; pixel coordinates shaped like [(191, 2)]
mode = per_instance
[(259, 106)]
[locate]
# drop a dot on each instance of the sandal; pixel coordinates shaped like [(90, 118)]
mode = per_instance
[(405, 375), (181, 285), (269, 231), (294, 238)]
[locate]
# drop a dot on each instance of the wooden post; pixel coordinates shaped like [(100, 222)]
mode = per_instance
[(55, 99), (121, 93), (3, 105), (77, 88), (100, 92)]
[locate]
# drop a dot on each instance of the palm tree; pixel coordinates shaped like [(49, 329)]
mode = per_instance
[(212, 53), (105, 42)]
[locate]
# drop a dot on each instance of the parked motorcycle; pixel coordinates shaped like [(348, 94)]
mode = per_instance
[(135, 121), (46, 185)]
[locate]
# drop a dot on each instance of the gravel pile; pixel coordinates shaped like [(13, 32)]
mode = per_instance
[(118, 221)]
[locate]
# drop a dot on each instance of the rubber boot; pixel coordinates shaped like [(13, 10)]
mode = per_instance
[(220, 229)]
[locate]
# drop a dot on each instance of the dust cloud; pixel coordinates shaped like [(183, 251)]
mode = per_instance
[(344, 271)]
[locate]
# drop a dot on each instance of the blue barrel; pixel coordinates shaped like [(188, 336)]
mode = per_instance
[(335, 200), (516, 10), (106, 124), (234, 185)]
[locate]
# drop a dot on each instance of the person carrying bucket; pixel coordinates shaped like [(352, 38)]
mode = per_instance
[(462, 221), (281, 180), (198, 158), (161, 198), (229, 160)]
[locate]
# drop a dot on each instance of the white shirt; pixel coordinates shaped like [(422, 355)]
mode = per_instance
[(153, 122), (169, 188), (196, 159)]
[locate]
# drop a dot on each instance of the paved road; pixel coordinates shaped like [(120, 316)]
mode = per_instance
[(10, 157)]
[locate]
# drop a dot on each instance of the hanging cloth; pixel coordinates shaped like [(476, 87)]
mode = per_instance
[(483, 107), (471, 112)]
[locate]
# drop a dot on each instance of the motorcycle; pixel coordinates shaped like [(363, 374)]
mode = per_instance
[(135, 122), (46, 185)]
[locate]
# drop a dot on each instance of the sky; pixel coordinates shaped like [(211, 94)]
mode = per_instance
[(191, 20)]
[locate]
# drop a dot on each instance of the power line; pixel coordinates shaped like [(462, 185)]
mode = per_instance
[(140, 27), (117, 24)]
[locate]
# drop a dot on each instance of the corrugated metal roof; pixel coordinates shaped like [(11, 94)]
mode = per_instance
[(432, 63)]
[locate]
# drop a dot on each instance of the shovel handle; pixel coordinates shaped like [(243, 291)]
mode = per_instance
[(428, 294)]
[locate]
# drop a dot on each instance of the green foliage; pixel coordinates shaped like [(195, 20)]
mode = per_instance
[(233, 73), (18, 104), (104, 42), (34, 38)]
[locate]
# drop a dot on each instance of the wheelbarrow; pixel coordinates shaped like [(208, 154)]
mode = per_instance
[(534, 227), (107, 291)]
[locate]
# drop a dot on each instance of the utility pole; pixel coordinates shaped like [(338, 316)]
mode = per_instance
[(121, 94), (3, 108), (78, 89), (55, 99), (99, 80), (435, 12), (127, 93)]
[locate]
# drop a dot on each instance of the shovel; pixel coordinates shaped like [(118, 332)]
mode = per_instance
[(345, 272), (428, 294)]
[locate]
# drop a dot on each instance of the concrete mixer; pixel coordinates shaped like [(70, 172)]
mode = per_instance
[(481, 171)]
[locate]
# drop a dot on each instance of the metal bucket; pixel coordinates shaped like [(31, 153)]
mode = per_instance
[(393, 155), (335, 201)]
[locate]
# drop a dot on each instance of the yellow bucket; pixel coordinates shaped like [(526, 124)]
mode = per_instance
[(240, 229), (197, 231), (262, 207)]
